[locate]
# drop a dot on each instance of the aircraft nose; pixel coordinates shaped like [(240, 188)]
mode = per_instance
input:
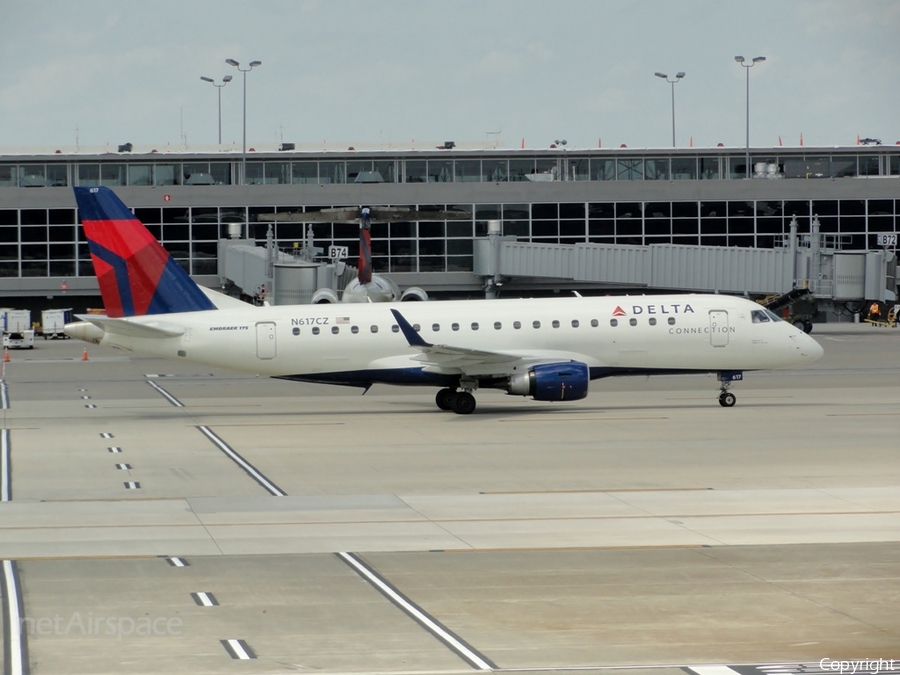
[(810, 349)]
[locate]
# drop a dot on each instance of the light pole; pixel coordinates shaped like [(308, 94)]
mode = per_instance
[(225, 80), (677, 79), (253, 64), (740, 59)]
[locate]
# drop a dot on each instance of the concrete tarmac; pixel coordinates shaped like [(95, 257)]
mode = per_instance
[(159, 510)]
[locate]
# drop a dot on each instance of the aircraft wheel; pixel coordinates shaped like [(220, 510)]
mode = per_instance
[(464, 403), (444, 399), (807, 326), (799, 324), (727, 399)]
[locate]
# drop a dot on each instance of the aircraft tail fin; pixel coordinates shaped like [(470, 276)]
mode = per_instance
[(137, 275)]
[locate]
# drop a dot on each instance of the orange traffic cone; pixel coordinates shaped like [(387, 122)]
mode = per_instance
[(6, 355), (84, 356)]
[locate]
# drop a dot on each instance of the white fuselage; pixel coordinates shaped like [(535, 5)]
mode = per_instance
[(361, 343)]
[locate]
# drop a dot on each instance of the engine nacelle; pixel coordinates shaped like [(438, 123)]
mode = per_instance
[(324, 296), (552, 382), (414, 294)]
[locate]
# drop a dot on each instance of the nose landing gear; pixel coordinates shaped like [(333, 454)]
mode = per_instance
[(726, 398)]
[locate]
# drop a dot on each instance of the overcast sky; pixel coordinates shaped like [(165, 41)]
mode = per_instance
[(343, 71)]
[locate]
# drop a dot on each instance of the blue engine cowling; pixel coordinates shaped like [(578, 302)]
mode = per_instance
[(552, 382)]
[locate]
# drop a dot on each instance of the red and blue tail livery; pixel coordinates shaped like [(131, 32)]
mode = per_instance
[(137, 275)]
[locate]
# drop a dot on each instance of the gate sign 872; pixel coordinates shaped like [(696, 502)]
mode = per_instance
[(886, 240)]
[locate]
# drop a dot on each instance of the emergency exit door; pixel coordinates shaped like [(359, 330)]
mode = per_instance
[(265, 340), (718, 327)]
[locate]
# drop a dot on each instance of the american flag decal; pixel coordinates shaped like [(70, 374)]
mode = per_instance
[(343, 319)]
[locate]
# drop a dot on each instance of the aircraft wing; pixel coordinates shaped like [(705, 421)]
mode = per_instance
[(459, 360)]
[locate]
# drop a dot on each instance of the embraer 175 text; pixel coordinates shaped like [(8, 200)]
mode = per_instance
[(549, 349)]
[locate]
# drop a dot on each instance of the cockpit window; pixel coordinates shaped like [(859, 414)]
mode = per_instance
[(760, 316), (772, 315)]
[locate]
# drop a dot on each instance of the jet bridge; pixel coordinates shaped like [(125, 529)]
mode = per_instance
[(836, 279)]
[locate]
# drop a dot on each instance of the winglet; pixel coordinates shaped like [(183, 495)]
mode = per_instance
[(410, 333)]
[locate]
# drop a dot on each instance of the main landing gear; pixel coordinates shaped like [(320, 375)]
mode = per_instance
[(460, 402)]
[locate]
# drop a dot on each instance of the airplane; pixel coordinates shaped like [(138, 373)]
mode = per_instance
[(546, 349), (367, 287)]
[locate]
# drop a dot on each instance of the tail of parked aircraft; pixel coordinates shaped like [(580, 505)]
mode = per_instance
[(137, 275)]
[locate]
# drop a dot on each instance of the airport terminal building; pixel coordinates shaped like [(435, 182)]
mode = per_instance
[(695, 197)]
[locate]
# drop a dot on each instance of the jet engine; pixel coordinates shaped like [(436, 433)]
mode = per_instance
[(552, 382), (324, 296), (414, 294)]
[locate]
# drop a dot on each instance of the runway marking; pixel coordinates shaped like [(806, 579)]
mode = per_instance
[(465, 651), (86, 398), (123, 467), (239, 649), (171, 399), (5, 467), (253, 472), (90, 406), (4, 395), (178, 562), (132, 485), (712, 670), (15, 645), (204, 599), (106, 434), (114, 449)]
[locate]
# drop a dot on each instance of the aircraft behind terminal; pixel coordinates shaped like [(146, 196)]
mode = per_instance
[(548, 349)]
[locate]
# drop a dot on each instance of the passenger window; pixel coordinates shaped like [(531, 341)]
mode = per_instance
[(354, 329), (633, 322), (575, 323), (555, 323), (395, 328), (335, 330), (454, 326), (517, 325), (671, 320), (435, 327), (613, 322), (296, 331), (594, 323), (315, 330), (417, 327), (536, 324), (652, 321), (474, 325), (374, 329), (497, 325)]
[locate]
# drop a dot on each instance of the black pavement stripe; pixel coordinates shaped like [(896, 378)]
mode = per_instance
[(171, 399), (239, 649), (254, 473)]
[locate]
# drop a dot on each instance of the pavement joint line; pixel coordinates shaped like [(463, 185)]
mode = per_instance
[(4, 395), (251, 470), (455, 643), (171, 399)]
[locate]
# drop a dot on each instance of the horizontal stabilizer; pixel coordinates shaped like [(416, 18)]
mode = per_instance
[(152, 330)]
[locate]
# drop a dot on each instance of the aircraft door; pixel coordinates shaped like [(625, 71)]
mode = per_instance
[(718, 327), (265, 340)]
